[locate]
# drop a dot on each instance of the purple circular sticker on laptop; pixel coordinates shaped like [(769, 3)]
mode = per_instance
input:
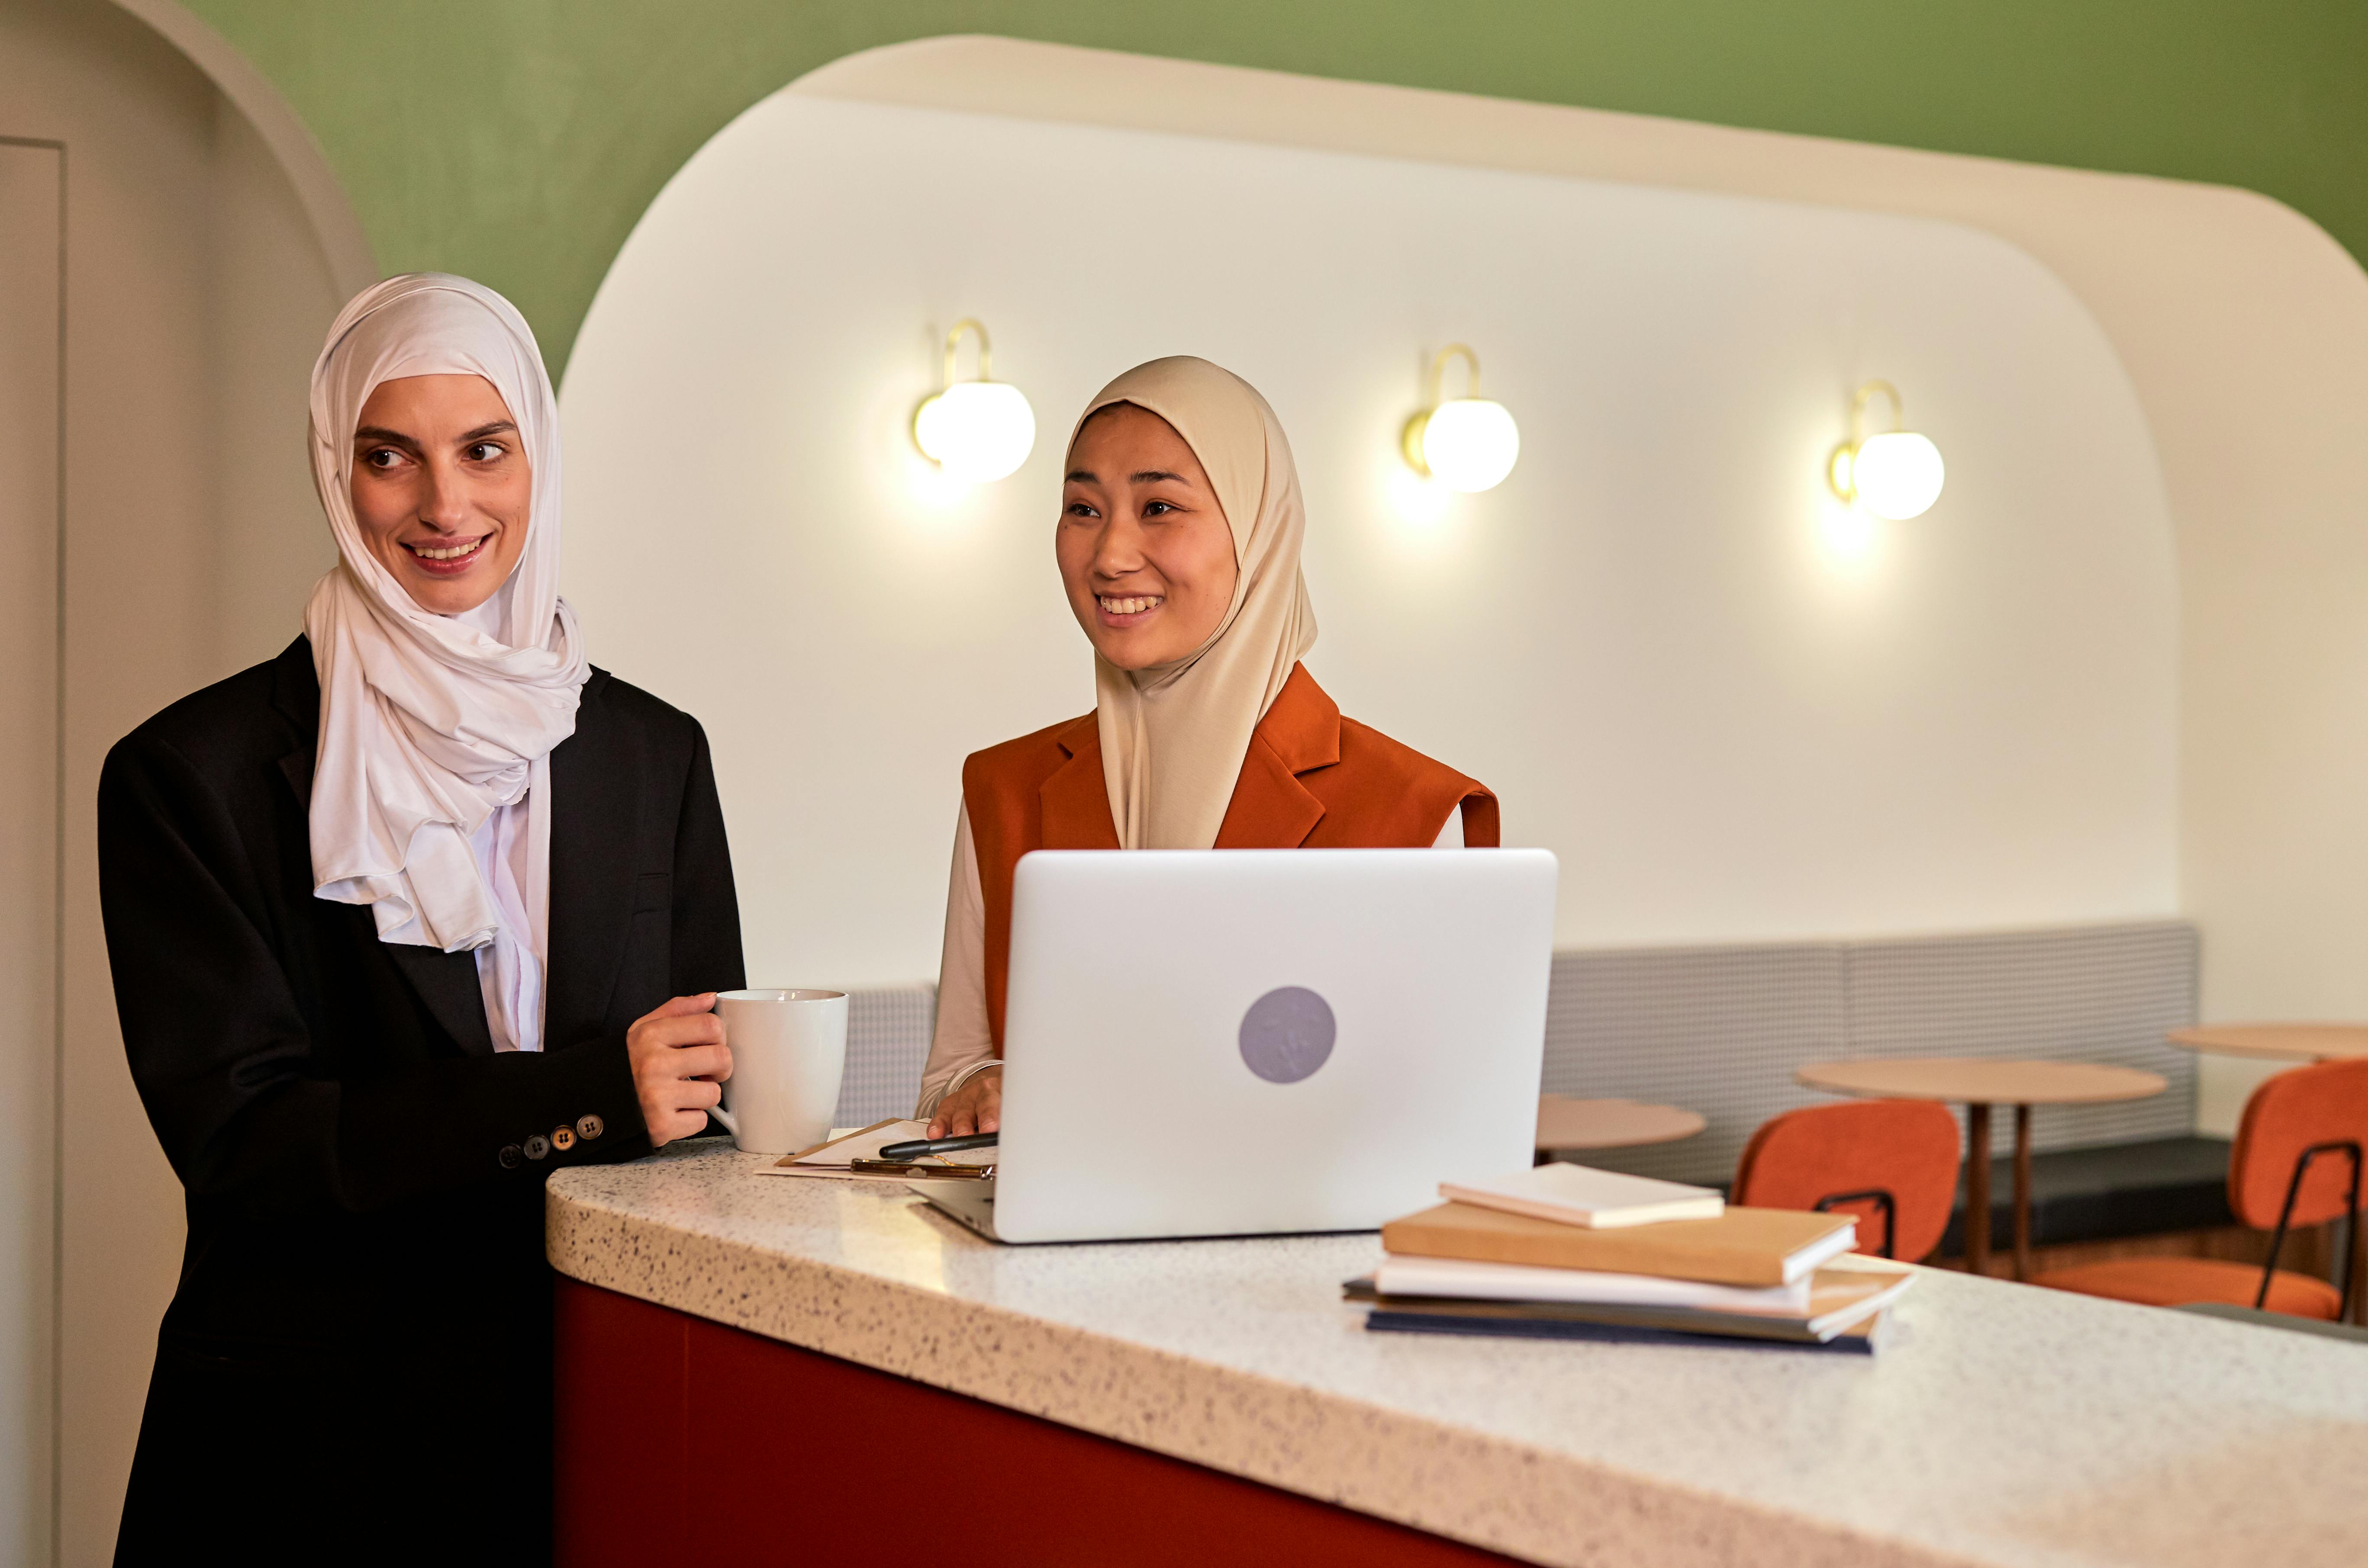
[(1287, 1034)]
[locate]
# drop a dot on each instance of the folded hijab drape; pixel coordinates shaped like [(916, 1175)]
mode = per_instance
[(430, 724), (1174, 735)]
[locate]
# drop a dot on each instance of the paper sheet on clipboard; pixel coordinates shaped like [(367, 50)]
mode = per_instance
[(829, 1159)]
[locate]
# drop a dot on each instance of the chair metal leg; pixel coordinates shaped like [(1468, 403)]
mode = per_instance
[(2356, 1270), (2023, 1192), (1977, 1189), (2349, 1148), (2351, 1238)]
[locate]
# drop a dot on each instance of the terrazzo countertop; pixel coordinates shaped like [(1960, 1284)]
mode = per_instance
[(2002, 1424)]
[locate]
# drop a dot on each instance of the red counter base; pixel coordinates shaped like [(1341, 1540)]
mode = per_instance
[(682, 1441)]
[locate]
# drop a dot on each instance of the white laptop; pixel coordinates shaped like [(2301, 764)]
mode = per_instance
[(1241, 1042)]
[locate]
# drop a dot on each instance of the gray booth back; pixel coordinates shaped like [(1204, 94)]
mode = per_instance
[(1721, 1029)]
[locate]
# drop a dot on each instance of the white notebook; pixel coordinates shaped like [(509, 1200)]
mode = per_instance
[(1579, 1194)]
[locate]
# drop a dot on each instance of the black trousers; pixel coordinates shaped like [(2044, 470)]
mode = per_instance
[(436, 1450)]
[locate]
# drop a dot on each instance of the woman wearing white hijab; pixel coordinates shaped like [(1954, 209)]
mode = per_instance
[(401, 921), (1179, 549)]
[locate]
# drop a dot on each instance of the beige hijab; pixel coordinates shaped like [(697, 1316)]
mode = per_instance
[(1174, 735), (430, 724)]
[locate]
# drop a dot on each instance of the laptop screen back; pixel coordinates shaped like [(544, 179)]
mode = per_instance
[(1231, 1043)]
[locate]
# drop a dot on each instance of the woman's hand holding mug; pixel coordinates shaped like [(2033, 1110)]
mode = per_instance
[(680, 1062)]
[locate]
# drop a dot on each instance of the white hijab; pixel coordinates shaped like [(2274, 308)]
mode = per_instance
[(1174, 735), (428, 725)]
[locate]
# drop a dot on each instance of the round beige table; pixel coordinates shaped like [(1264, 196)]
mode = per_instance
[(1977, 1084), (1565, 1123), (2277, 1043)]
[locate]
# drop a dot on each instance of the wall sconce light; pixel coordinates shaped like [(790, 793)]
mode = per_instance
[(1897, 476), (1466, 443), (981, 430)]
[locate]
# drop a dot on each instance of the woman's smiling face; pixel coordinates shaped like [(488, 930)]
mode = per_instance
[(441, 488), (1143, 548)]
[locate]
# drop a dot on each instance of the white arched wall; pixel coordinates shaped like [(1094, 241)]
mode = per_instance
[(1734, 710), (2243, 327)]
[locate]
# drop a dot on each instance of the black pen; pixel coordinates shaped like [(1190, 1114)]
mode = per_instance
[(920, 1146)]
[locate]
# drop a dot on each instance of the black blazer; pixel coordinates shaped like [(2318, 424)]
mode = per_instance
[(363, 1172)]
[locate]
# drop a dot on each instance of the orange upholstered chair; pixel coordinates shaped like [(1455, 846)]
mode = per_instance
[(2296, 1162), (1891, 1163)]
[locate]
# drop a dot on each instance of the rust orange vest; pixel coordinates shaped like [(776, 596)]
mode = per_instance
[(1311, 781)]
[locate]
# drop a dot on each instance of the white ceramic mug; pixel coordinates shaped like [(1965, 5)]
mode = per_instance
[(788, 1048)]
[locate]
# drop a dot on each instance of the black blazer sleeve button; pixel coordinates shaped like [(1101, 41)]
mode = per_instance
[(589, 1127), (537, 1147), (511, 1156), (563, 1138)]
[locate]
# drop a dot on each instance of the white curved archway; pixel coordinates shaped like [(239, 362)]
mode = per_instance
[(2243, 326), (2244, 330), (1646, 640)]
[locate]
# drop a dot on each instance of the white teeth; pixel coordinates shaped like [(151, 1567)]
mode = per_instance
[(1129, 606), (453, 554)]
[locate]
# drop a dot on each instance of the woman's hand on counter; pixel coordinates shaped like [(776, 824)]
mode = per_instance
[(976, 1106), (679, 1064)]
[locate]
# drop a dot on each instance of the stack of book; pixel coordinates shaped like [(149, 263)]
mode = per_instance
[(1565, 1252)]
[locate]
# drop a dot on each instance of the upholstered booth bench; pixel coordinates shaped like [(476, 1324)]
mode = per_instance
[(2112, 1192)]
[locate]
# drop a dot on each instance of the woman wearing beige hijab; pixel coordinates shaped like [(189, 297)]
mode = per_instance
[(1179, 548)]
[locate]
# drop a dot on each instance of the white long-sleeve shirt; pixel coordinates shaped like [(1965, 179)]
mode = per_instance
[(509, 968)]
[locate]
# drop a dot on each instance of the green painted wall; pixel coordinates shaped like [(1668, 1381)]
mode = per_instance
[(518, 140)]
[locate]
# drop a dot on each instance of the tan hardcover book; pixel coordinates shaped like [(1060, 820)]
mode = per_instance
[(1742, 1247)]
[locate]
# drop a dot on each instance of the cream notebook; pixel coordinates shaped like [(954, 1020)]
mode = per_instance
[(1580, 1195)]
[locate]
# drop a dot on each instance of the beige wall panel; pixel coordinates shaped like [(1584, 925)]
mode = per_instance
[(197, 295), (272, 300), (138, 124), (32, 179)]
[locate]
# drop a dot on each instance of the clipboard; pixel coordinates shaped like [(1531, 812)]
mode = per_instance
[(852, 1156), (915, 1170)]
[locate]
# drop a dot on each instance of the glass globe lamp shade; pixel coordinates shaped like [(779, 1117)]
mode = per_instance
[(978, 431), (1897, 476), (1470, 444)]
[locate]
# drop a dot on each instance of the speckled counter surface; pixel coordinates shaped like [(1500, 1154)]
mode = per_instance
[(2003, 1425)]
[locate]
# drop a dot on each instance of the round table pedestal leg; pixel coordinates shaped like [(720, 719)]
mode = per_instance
[(1977, 1189), (2023, 1192)]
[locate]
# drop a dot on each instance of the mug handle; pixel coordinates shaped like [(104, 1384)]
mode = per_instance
[(730, 1123)]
